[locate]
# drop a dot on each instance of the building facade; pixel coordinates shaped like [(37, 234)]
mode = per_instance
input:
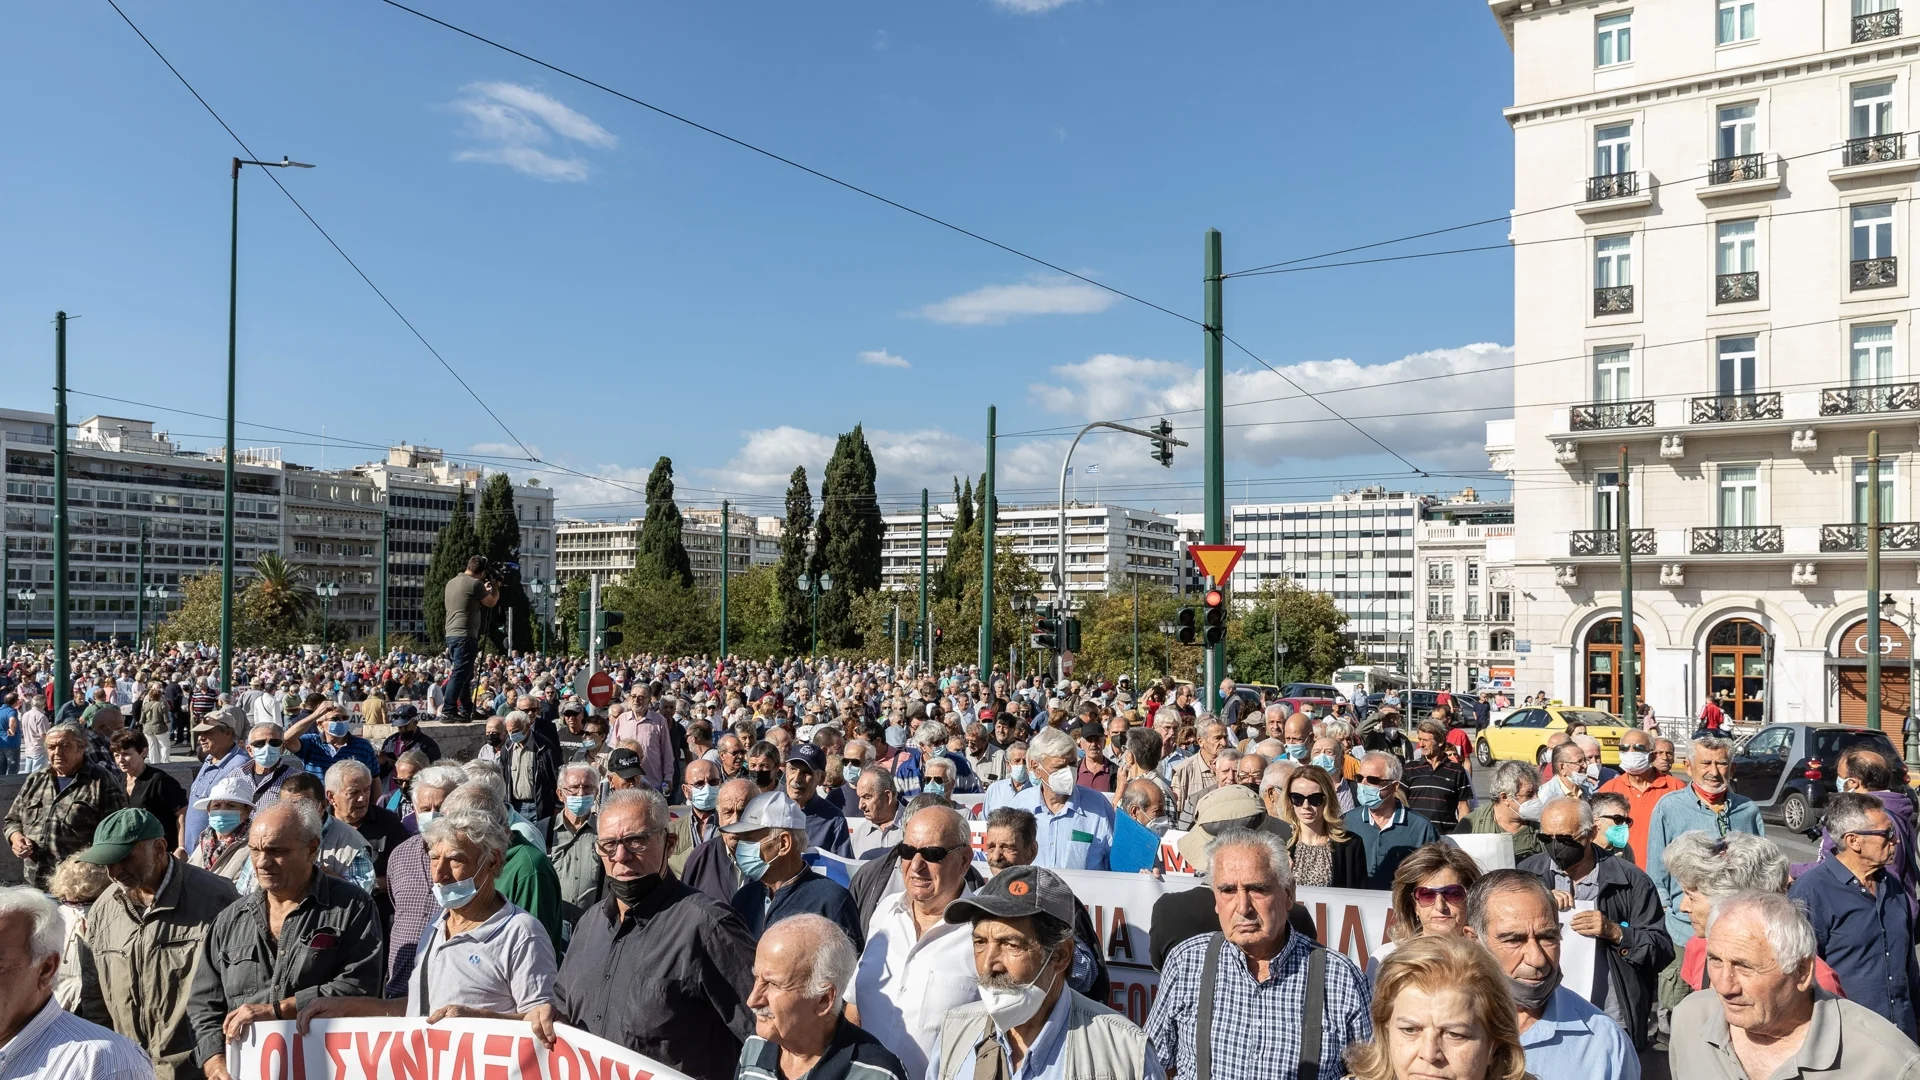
[(1712, 313), (1463, 594), (608, 548), (331, 528), (1108, 546)]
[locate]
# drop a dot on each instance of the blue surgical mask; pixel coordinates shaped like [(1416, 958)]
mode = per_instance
[(1618, 836), (746, 855), (933, 787), (1017, 774), (579, 805), (338, 728), (266, 756), (517, 737), (223, 821), (424, 818), (1324, 761), (455, 896), (1367, 795), (1297, 751), (706, 798), (850, 773)]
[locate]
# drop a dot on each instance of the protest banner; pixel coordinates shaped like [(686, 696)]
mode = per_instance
[(387, 1048)]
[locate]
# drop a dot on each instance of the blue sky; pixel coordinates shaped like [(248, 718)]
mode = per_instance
[(619, 286)]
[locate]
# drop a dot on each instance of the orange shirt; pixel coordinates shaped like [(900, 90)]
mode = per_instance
[(1640, 806)]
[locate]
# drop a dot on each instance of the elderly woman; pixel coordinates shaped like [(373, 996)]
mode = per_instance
[(482, 956), (1325, 854), (1440, 1009), (222, 848), (1429, 898), (1709, 869)]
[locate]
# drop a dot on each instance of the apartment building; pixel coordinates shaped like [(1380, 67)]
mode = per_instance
[(1711, 235), (1463, 601), (609, 547), (1108, 546), (331, 528)]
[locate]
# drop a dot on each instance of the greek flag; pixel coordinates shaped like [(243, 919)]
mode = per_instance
[(1091, 469)]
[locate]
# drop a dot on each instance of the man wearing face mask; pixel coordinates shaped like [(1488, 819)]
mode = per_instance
[(1330, 755), (710, 868), (1862, 771), (530, 770), (271, 764), (1076, 824), (1386, 736), (1018, 778), (769, 842), (1514, 916), (1710, 804), (698, 819), (1642, 786), (570, 841), (334, 742), (1037, 1026), (1624, 920)]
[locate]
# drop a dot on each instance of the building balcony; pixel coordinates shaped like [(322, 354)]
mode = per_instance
[(1611, 415), (1613, 300), (1737, 169), (1873, 155), (1734, 408), (1864, 400), (1880, 273), (1894, 536), (1740, 288), (1585, 542), (1875, 25), (1735, 540), (1616, 192)]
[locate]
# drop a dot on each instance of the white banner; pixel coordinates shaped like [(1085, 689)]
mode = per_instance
[(404, 1049)]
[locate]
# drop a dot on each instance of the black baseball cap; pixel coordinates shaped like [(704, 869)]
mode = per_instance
[(809, 755), (624, 763), (1013, 893)]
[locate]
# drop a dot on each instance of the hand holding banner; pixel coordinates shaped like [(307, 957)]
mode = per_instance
[(411, 1049)]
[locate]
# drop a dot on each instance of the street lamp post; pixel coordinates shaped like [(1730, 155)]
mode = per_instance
[(326, 590), (233, 328), (26, 597), (1167, 630), (158, 593), (814, 586)]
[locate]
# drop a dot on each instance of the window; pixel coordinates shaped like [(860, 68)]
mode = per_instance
[(1860, 492), (1612, 261), (1872, 355), (1736, 366), (1613, 40), (1446, 641), (1613, 374), (1739, 495), (1872, 231), (1737, 130), (1734, 247), (1872, 112), (1736, 21), (1606, 500), (1433, 642), (1473, 573), (1473, 641), (1613, 149)]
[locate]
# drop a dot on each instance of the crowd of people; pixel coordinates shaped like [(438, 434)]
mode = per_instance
[(651, 873)]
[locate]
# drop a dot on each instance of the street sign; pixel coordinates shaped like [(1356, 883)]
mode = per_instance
[(599, 690), (1523, 645), (1216, 560)]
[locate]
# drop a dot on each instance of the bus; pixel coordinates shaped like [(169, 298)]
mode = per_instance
[(1367, 679)]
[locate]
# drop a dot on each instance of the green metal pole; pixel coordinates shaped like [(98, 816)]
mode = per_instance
[(813, 602), (140, 594), (326, 620), (383, 581), (226, 518), (1136, 635), (726, 559), (1629, 677), (926, 646), (62, 677), (988, 512), (1873, 580), (1216, 459), (6, 589)]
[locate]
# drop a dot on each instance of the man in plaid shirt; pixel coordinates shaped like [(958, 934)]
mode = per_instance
[(57, 809), (1260, 975)]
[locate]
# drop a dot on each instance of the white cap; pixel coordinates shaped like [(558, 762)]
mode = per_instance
[(770, 811), (228, 789)]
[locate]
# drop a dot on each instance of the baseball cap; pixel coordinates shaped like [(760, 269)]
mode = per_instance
[(624, 763), (114, 837), (770, 811), (227, 789), (987, 713), (572, 707), (1219, 810), (805, 753), (1013, 893), (404, 714), (227, 717)]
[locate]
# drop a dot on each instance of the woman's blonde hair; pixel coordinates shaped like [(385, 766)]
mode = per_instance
[(1434, 964), (76, 882), (1425, 862), (1329, 810)]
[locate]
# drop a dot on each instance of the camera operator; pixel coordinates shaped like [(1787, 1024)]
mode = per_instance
[(467, 594)]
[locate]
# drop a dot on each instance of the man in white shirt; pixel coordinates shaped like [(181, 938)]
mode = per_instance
[(879, 827), (38, 1038)]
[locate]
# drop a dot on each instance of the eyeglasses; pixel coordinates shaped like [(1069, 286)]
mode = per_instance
[(1453, 894), (632, 844), (1315, 799), (1617, 819), (1884, 834), (931, 854)]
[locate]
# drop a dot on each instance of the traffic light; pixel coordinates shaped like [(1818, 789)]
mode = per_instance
[(1162, 449), (1216, 616), (1073, 635), (580, 624), (1046, 630), (610, 637), (1185, 634), (886, 621)]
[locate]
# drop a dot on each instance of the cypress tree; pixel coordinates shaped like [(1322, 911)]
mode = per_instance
[(662, 554), (794, 625), (497, 533), (452, 547)]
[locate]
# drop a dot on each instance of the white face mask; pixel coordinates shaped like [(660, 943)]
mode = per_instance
[(1011, 1008), (1060, 782), (1635, 761)]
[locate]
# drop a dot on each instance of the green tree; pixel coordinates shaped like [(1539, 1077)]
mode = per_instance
[(847, 537), (275, 602), (566, 611), (662, 617), (1311, 627), (753, 613), (794, 561), (455, 544), (1106, 634), (497, 531), (662, 554), (198, 616)]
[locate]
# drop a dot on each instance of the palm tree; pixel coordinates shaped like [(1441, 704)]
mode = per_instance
[(277, 595)]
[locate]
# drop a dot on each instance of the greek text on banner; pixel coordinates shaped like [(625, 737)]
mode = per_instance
[(412, 1049)]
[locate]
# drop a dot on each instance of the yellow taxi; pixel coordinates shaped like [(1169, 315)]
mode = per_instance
[(1522, 734)]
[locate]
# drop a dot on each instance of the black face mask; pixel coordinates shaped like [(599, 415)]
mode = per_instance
[(494, 738), (762, 778), (631, 891), (1566, 854)]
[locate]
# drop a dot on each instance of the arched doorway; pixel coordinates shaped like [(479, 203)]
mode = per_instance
[(1737, 670), (1849, 670), (1604, 648)]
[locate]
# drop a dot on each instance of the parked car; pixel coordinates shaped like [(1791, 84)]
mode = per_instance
[(1522, 734), (1789, 769), (1309, 690), (1317, 708), (1421, 702)]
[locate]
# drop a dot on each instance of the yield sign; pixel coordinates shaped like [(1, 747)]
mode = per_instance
[(1216, 560)]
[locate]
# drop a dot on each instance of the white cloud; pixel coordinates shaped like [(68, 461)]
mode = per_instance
[(1030, 7), (518, 122), (502, 450), (992, 305), (882, 358)]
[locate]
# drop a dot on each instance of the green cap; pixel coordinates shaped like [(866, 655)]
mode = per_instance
[(113, 838)]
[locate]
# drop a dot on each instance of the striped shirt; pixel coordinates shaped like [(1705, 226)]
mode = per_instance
[(851, 1055), (57, 1045)]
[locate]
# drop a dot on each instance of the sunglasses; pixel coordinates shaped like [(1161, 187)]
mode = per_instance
[(931, 854), (1377, 781), (1568, 839), (1315, 799), (1455, 895), (1884, 834), (1617, 819)]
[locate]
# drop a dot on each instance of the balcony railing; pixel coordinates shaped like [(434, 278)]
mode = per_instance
[(1732, 170), (1613, 186), (1868, 149), (1613, 300), (1735, 540), (1894, 536), (1602, 415), (1856, 400), (1607, 542), (1875, 25), (1736, 288), (1874, 273), (1732, 408)]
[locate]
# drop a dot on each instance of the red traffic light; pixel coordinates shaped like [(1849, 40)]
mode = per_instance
[(1215, 598)]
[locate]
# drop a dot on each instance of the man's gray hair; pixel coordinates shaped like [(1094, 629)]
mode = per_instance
[(1228, 755), (1134, 796), (1393, 763), (1736, 863), (834, 958), (864, 746), (49, 931), (308, 824), (69, 731), (1052, 743), (267, 725), (1849, 813), (882, 778), (593, 774), (1276, 774), (517, 715), (1207, 722), (479, 796), (440, 777), (1270, 845), (1581, 806), (930, 733), (341, 773), (1502, 883), (1511, 778), (1336, 729), (1783, 921), (1712, 743), (482, 830), (651, 804), (1270, 748), (943, 761)]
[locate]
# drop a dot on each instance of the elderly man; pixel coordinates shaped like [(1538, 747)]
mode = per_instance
[(1620, 911), (334, 741), (1762, 1015), (916, 967), (700, 820), (570, 848), (802, 971), (526, 876), (1017, 777), (1515, 917), (58, 809), (879, 827), (1435, 787), (531, 769), (732, 755), (269, 764), (1138, 826), (1569, 779), (656, 965), (711, 868), (1708, 803), (769, 846), (1515, 783), (350, 797), (1643, 786), (826, 823), (1195, 777), (1008, 842), (1388, 831), (644, 725), (1863, 771), (1858, 910), (1261, 979), (1038, 1026), (41, 1040), (1076, 823), (142, 936), (242, 977), (410, 876)]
